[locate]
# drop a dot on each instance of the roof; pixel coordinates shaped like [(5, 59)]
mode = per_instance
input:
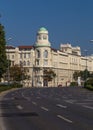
[(25, 47), (10, 47), (54, 49)]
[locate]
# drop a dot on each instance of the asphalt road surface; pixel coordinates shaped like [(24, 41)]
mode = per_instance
[(68, 108)]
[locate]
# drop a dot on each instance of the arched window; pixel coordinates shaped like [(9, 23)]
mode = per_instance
[(44, 37), (24, 63), (45, 54), (37, 62), (20, 63), (38, 54), (39, 37), (28, 63), (24, 55)]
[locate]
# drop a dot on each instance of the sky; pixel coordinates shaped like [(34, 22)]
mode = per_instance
[(67, 21)]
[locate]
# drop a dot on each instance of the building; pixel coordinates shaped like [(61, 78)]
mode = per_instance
[(41, 56)]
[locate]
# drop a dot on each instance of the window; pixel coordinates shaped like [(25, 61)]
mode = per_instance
[(28, 70), (20, 55), (45, 54), (24, 55), (28, 55), (12, 56), (20, 63), (24, 63), (39, 37), (8, 56), (12, 63), (45, 62), (37, 62), (28, 63), (44, 37), (38, 54)]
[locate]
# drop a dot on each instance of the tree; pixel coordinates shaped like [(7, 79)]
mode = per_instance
[(18, 73), (49, 75), (3, 58), (76, 75), (83, 74)]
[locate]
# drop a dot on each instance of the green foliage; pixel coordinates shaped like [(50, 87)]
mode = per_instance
[(74, 84), (83, 74), (89, 82), (86, 76), (3, 58), (10, 86), (49, 75), (76, 75), (89, 87), (17, 73)]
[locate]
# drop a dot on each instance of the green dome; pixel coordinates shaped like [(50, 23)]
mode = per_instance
[(42, 29)]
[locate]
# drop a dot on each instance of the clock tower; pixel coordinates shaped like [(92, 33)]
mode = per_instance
[(42, 54)]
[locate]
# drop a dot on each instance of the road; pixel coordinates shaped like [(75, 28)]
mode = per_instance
[(68, 108)]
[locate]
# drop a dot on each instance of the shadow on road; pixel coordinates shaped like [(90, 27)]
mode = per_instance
[(26, 114)]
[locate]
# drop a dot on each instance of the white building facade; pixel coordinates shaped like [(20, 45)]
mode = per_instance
[(64, 62)]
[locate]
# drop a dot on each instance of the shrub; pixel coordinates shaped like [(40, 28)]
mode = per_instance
[(89, 84), (73, 84), (4, 87)]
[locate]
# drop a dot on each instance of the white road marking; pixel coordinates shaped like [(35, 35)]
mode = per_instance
[(19, 107), (70, 101), (44, 108), (59, 105), (63, 118), (88, 107), (27, 98), (34, 103)]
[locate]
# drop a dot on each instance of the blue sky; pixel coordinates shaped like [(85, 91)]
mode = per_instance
[(66, 20)]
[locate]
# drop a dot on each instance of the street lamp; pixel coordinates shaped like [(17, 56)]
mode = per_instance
[(22, 66), (8, 71), (86, 65)]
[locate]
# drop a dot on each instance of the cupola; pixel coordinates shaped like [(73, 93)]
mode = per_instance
[(42, 38)]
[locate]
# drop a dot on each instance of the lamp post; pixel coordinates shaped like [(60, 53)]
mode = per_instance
[(32, 74), (86, 66), (33, 65), (22, 66), (91, 41), (8, 71)]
